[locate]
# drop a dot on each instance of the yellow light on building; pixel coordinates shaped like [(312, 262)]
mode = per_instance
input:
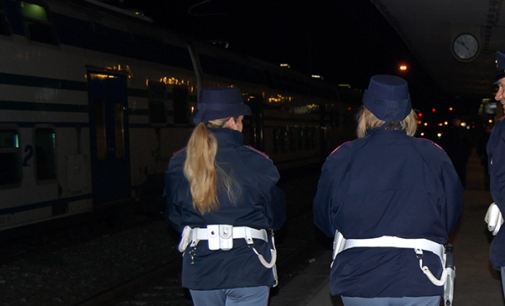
[(490, 120), (446, 123), (426, 124), (422, 134), (439, 135)]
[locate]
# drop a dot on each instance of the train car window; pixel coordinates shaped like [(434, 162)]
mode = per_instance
[(157, 103), (308, 136), (37, 22), (45, 154), (4, 22), (284, 140), (276, 140), (301, 138), (10, 157), (292, 139), (313, 138), (119, 127), (101, 135), (181, 105)]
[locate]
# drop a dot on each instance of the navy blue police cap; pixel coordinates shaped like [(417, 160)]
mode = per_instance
[(219, 103), (388, 98), (500, 65)]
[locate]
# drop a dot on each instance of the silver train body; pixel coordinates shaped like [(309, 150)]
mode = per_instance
[(94, 101)]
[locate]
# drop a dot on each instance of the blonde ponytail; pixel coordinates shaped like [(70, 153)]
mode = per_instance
[(201, 170)]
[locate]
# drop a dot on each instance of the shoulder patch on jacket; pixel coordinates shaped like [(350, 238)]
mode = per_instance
[(338, 147), (432, 143), (177, 152), (257, 151)]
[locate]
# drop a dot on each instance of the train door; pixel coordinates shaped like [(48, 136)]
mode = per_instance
[(110, 156)]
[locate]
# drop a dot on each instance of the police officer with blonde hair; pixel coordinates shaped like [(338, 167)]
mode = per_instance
[(391, 200), (223, 197)]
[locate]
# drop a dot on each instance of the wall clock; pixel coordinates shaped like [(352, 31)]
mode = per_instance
[(465, 47)]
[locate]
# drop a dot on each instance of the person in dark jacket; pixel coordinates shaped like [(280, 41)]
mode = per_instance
[(496, 158), (223, 197), (394, 198)]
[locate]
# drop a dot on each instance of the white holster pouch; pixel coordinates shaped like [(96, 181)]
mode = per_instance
[(493, 218), (220, 237), (341, 244)]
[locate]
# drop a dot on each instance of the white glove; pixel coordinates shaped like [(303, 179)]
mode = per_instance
[(493, 218)]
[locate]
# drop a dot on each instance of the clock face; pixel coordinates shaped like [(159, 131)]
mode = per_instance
[(465, 47)]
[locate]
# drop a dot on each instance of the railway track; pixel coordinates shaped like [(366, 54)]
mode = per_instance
[(132, 260)]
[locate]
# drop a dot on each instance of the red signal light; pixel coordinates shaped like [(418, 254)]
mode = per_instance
[(433, 109), (420, 115)]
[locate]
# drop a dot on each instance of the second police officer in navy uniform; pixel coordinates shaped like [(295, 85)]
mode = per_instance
[(393, 199), (223, 197), (496, 159)]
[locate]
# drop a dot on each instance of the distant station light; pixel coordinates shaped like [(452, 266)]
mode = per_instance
[(349, 108), (344, 85), (490, 121), (317, 76), (420, 115), (422, 134), (286, 66), (433, 109), (403, 67), (446, 122), (426, 124), (450, 109), (439, 135)]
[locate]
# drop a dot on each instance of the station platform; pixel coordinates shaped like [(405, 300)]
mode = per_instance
[(477, 283)]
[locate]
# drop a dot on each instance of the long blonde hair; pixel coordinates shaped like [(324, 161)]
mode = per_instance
[(367, 120), (201, 170)]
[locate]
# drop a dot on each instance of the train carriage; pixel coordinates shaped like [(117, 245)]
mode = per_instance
[(94, 100)]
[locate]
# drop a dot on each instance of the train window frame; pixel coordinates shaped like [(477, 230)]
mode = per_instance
[(4, 23), (47, 33), (157, 100), (37, 152), (18, 156)]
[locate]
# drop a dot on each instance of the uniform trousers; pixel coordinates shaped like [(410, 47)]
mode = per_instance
[(392, 301), (249, 296), (503, 279)]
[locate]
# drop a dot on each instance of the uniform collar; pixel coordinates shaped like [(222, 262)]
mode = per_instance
[(228, 137), (381, 130)]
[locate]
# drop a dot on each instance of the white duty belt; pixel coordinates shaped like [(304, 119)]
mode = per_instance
[(341, 244), (220, 237)]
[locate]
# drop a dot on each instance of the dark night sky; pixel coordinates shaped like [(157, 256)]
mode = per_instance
[(345, 41)]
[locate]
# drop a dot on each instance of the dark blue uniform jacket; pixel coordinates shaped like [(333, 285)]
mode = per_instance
[(387, 184), (261, 205), (496, 158)]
